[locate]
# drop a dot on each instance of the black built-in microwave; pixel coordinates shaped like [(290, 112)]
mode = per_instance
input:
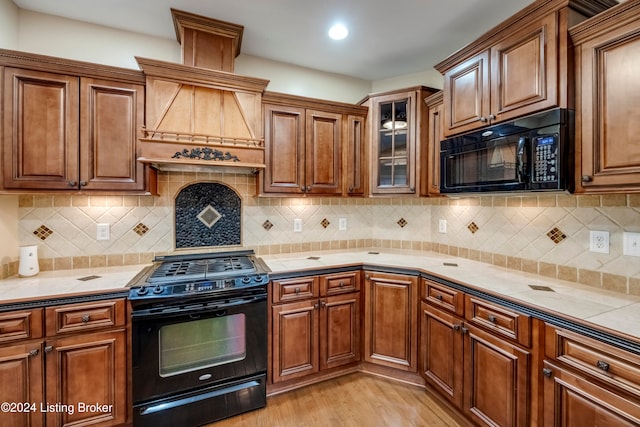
[(532, 153)]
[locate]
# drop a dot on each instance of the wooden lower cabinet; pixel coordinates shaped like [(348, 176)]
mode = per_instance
[(314, 333), (75, 378), (391, 320), (86, 372), (571, 400)]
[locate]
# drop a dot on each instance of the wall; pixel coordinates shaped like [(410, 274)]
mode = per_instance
[(9, 17), (545, 235)]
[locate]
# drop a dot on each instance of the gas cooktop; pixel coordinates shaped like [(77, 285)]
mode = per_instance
[(189, 274)]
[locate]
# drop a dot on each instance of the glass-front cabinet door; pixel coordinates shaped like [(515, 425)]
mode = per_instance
[(394, 144)]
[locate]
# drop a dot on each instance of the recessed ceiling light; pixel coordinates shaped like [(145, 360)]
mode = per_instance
[(338, 32)]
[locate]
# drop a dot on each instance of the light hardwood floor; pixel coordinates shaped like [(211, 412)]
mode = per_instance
[(352, 400)]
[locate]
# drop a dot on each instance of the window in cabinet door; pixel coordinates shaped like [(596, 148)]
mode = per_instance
[(392, 149)]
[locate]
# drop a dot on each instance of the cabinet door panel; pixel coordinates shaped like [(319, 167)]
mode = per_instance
[(295, 340), (496, 380), (573, 401), (391, 320), (21, 368), (339, 330), (40, 138), (467, 94), (355, 168), (323, 152), (524, 71), (441, 351), (284, 154), (85, 370), (110, 118)]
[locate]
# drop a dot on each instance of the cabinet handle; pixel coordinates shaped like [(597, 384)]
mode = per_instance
[(439, 297), (456, 327), (34, 352), (48, 349), (72, 183), (602, 365), (492, 318), (367, 277), (491, 117), (341, 284), (465, 330), (587, 178), (296, 290), (483, 119), (85, 318), (547, 372), (83, 183), (316, 306), (323, 304), (350, 189)]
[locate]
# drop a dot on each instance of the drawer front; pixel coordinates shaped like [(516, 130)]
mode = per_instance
[(340, 283), (506, 323), (594, 358), (86, 316), (19, 325), (443, 297), (295, 289)]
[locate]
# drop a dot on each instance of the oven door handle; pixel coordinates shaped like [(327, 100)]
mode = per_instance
[(196, 308)]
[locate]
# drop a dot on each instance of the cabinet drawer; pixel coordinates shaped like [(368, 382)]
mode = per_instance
[(19, 325), (340, 283), (85, 316), (610, 364), (295, 289), (443, 297), (506, 323)]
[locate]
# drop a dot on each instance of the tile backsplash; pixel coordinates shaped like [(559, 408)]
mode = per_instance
[(548, 235)]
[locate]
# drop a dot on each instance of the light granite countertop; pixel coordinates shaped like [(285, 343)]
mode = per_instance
[(605, 309)]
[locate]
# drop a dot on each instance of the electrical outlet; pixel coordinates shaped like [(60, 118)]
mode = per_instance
[(102, 232), (631, 243), (599, 241), (342, 223), (297, 225), (442, 226)]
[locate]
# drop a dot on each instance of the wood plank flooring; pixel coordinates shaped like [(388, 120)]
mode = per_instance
[(352, 400)]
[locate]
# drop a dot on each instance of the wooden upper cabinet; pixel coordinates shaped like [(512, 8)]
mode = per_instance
[(40, 138), (607, 139), (430, 177), (111, 115), (516, 76), (312, 146), (64, 129), (519, 67)]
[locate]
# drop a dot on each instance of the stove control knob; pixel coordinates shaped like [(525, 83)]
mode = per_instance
[(259, 278), (246, 279), (158, 289), (143, 291)]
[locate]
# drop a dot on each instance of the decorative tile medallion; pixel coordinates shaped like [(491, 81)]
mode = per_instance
[(43, 232), (556, 235), (141, 229), (208, 214), (473, 227), (267, 225), (402, 222), (325, 223)]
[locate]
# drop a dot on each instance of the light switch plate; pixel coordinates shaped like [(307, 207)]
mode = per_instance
[(102, 232), (442, 226), (631, 243), (599, 241), (297, 225), (342, 223)]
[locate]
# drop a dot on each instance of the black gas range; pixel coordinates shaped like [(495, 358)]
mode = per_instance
[(199, 338)]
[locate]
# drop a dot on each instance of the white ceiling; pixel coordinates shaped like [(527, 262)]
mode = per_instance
[(387, 38)]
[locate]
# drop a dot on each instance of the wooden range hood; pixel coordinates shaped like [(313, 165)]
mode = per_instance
[(199, 114)]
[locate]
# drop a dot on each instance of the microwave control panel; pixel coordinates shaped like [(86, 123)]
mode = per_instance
[(545, 158)]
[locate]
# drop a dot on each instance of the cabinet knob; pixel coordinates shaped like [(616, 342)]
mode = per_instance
[(85, 318), (483, 119), (83, 183), (296, 290), (492, 117), (547, 372), (439, 297), (316, 306), (456, 327), (34, 352), (48, 349), (587, 178), (602, 365), (323, 304), (341, 284), (465, 330), (350, 189), (72, 183), (492, 318)]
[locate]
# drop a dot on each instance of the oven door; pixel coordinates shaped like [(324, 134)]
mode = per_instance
[(195, 344), (494, 165)]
